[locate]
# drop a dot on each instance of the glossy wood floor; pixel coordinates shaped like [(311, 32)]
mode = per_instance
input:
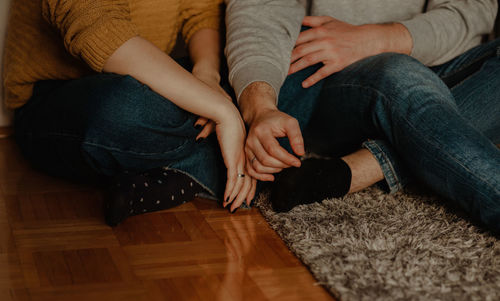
[(55, 246)]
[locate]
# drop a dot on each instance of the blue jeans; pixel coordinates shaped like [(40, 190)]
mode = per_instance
[(99, 126), (438, 124), (103, 125)]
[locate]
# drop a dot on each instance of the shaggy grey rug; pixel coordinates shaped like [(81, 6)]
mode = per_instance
[(375, 246)]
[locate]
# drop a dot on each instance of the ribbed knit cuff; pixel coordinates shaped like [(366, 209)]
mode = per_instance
[(102, 42), (421, 32), (256, 71)]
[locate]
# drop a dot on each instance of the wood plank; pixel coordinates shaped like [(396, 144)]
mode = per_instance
[(54, 245)]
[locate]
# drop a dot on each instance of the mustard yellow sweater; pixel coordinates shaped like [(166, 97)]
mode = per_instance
[(66, 39)]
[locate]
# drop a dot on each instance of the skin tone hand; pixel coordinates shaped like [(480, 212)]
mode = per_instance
[(338, 44), (145, 62), (212, 80), (264, 154), (205, 50)]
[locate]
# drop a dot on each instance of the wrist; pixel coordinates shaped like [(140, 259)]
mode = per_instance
[(256, 99), (226, 113), (392, 37), (206, 69)]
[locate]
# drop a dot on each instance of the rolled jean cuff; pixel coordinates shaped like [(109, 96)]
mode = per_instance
[(388, 161)]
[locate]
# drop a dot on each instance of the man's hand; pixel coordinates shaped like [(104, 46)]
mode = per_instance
[(337, 44), (264, 154)]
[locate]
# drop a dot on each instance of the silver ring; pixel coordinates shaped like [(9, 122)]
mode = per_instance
[(241, 175), (253, 159)]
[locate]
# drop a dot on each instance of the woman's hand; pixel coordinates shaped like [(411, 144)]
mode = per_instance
[(231, 135), (164, 76), (210, 77)]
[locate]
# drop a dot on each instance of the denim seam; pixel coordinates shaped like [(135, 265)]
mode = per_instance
[(114, 149), (109, 147), (466, 66), (466, 78), (392, 179), (429, 141)]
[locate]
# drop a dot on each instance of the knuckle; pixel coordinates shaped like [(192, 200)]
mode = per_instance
[(321, 30), (267, 161), (269, 149), (273, 152), (308, 59), (259, 130), (292, 122), (259, 169)]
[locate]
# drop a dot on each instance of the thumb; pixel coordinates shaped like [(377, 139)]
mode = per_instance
[(294, 135)]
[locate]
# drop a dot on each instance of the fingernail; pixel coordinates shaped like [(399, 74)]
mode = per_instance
[(199, 140), (197, 126), (234, 211)]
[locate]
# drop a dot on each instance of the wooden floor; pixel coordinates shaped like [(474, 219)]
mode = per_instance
[(55, 246)]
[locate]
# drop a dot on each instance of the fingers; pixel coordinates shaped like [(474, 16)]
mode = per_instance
[(295, 137), (235, 179), (322, 73), (307, 60), (246, 193), (251, 193), (312, 34), (239, 185), (305, 49), (258, 167), (253, 173), (254, 146), (230, 185), (242, 194), (315, 21), (207, 130), (201, 121), (271, 151)]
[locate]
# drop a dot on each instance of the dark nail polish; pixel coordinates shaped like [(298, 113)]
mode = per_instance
[(197, 126), (234, 211), (199, 140)]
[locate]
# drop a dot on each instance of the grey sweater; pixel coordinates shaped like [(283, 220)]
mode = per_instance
[(261, 33)]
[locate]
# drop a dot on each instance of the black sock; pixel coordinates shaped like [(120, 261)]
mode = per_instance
[(314, 181), (154, 190)]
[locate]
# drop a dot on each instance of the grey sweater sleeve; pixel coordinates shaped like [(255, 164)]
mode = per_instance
[(449, 28), (259, 40)]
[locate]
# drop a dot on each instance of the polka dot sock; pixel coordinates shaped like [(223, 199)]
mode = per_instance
[(314, 181), (154, 190)]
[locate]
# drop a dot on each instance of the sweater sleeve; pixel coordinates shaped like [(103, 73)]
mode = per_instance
[(260, 38), (92, 30), (200, 14), (449, 28)]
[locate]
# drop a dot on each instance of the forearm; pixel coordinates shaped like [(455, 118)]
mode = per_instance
[(149, 65), (449, 28), (260, 37), (205, 52)]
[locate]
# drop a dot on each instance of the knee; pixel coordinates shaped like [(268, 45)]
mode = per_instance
[(402, 80), (395, 71), (125, 105)]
